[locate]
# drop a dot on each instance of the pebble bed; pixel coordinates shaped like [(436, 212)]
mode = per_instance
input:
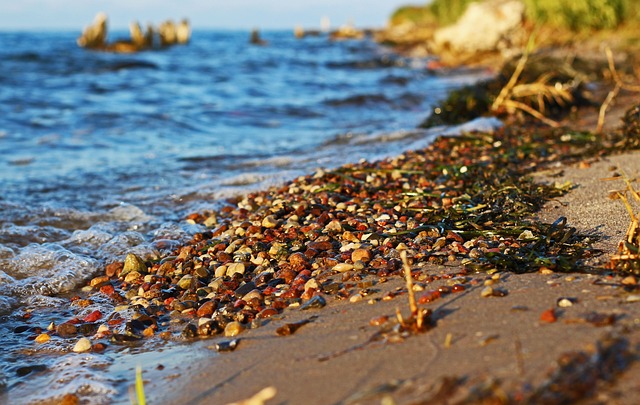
[(336, 234)]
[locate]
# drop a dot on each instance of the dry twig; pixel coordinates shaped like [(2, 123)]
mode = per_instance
[(619, 85)]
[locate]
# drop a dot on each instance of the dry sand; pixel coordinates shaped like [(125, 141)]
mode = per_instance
[(497, 342)]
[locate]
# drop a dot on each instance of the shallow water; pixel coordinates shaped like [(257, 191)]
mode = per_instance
[(103, 154)]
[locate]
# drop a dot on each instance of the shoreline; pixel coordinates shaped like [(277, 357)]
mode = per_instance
[(340, 357), (500, 348)]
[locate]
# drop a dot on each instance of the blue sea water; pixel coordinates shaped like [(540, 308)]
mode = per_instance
[(103, 154)]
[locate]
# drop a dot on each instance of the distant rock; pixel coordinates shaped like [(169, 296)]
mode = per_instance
[(489, 26)]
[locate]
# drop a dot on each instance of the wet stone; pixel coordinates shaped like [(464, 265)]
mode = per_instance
[(190, 331), (82, 345), (209, 328), (133, 263), (21, 329), (66, 330), (227, 345), (125, 339), (87, 329), (22, 371)]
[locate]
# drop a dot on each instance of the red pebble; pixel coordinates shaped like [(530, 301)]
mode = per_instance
[(92, 317), (268, 291), (429, 296), (548, 316), (267, 313), (457, 288), (107, 289)]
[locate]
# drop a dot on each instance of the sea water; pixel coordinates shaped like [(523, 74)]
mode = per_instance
[(104, 154)]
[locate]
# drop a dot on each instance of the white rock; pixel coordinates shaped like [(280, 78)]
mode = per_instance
[(82, 345), (485, 26)]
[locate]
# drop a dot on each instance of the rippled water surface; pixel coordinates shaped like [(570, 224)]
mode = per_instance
[(104, 154)]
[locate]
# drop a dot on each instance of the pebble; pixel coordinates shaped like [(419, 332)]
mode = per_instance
[(316, 302), (565, 302), (186, 281), (342, 267), (132, 277), (96, 282), (548, 316), (234, 268), (133, 263), (245, 289), (379, 320), (66, 330), (206, 309), (190, 331), (363, 255), (82, 345), (312, 283), (42, 338), (255, 293), (227, 345), (270, 221), (633, 298), (233, 329), (486, 292)]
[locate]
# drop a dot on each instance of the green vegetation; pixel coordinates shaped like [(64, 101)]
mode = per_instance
[(448, 11), (414, 14), (575, 15)]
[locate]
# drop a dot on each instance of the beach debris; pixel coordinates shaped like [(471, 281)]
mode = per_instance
[(485, 340), (420, 318), (447, 340), (260, 398), (630, 119), (627, 260)]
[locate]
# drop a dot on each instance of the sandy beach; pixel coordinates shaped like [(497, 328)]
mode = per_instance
[(547, 337)]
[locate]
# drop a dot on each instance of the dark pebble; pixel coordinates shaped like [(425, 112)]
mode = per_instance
[(125, 339), (209, 328), (245, 288), (22, 371), (21, 329), (87, 329), (67, 330), (227, 345), (190, 331), (316, 302)]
